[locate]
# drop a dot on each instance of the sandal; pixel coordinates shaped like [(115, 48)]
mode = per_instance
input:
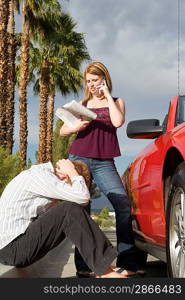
[(137, 274)]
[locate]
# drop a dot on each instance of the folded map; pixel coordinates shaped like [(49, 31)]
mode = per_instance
[(72, 111)]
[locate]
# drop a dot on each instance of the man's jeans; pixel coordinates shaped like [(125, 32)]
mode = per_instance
[(106, 177)]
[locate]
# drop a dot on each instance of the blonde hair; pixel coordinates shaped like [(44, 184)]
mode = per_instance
[(96, 68), (83, 170)]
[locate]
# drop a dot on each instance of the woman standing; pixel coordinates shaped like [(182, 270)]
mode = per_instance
[(97, 145)]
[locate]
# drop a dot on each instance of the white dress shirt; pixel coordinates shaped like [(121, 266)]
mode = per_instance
[(31, 193)]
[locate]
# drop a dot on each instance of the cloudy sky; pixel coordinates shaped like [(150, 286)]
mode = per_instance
[(137, 40)]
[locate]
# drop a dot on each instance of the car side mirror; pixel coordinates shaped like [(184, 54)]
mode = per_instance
[(144, 129)]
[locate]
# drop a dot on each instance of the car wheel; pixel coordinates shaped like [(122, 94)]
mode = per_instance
[(175, 225)]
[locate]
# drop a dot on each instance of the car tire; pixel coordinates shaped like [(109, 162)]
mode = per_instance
[(175, 225)]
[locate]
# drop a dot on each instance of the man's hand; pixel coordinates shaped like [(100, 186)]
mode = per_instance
[(65, 169)]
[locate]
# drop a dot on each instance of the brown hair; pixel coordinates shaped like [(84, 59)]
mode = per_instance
[(96, 68), (83, 170)]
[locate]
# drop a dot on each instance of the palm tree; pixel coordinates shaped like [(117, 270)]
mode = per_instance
[(61, 58), (67, 79), (44, 92), (4, 15), (49, 134), (37, 17), (23, 82), (65, 74), (11, 76)]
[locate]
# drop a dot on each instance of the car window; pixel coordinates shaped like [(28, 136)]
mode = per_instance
[(180, 116), (183, 109), (164, 123)]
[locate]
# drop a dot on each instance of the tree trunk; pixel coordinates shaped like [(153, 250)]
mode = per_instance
[(50, 126), (11, 80), (4, 14), (23, 82), (44, 92)]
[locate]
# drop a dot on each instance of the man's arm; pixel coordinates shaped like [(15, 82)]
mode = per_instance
[(45, 183)]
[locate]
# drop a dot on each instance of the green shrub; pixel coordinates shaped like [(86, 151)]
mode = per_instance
[(104, 213), (9, 167), (103, 220)]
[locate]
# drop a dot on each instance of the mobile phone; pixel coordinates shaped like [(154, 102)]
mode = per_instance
[(102, 81)]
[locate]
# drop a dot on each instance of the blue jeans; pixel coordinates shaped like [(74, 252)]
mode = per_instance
[(106, 177)]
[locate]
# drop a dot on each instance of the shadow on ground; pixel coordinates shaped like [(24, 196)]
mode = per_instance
[(156, 269), (50, 266)]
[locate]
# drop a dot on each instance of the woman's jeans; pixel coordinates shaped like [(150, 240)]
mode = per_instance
[(106, 177)]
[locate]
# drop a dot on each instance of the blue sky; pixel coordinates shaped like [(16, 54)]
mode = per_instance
[(137, 41)]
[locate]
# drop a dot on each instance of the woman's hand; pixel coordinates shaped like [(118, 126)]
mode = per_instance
[(80, 125), (104, 89)]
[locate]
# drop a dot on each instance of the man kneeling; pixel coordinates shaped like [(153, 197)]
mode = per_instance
[(33, 223)]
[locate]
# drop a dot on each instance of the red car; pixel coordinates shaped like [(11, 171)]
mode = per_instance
[(155, 181)]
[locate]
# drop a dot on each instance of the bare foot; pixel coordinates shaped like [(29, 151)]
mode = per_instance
[(110, 273)]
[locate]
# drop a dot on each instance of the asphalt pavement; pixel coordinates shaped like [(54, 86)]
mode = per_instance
[(59, 263)]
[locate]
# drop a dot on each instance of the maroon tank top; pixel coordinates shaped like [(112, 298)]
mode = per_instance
[(98, 139)]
